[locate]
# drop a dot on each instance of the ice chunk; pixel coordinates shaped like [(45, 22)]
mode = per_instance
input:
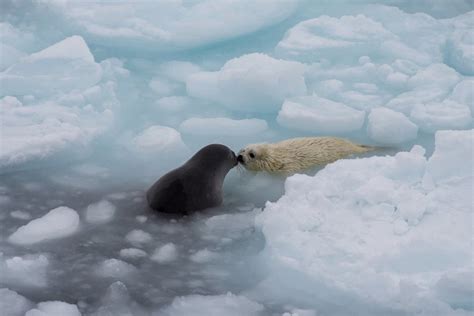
[(383, 204), (249, 81), (27, 270), (13, 304), (54, 308), (231, 225), (456, 289), (164, 87), (69, 64), (132, 253), (202, 256), (158, 138), (36, 132), (165, 254), (225, 304), (73, 47), (57, 223), (138, 237), (452, 158), (331, 37), (115, 268), (172, 25), (117, 301), (463, 93), (435, 116), (436, 75), (222, 126), (319, 115), (100, 212), (389, 127)]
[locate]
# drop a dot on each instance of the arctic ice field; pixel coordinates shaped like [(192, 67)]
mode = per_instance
[(98, 99)]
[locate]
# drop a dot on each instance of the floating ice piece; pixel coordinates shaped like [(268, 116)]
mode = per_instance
[(231, 225), (319, 115), (115, 268), (406, 101), (36, 132), (252, 82), (100, 212), (383, 204), (20, 214), (225, 304), (158, 138), (165, 254), (54, 308), (222, 126), (57, 223), (202, 256), (435, 116), (164, 87), (27, 270), (117, 301), (68, 64), (389, 127), (138, 237), (132, 253), (435, 75), (13, 304)]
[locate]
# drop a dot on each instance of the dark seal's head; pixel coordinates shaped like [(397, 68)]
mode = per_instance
[(214, 157), (194, 186)]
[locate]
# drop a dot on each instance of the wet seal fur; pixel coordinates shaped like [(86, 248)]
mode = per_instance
[(297, 154), (195, 185)]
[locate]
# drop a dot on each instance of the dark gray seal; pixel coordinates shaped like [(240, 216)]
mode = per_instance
[(194, 186)]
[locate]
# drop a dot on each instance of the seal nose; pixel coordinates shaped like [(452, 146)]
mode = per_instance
[(240, 158)]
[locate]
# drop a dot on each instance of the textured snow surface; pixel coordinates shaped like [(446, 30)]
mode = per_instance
[(99, 99)]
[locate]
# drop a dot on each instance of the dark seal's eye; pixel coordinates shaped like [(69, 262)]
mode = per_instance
[(252, 155)]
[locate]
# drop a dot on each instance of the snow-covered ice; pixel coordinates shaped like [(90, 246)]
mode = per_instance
[(57, 223), (99, 100)]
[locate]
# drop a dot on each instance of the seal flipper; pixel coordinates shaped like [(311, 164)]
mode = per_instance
[(168, 199)]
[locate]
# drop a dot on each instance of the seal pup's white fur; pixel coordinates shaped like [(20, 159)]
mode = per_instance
[(297, 154)]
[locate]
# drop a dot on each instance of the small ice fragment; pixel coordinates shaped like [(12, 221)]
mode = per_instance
[(100, 212), (138, 237), (132, 253), (165, 254)]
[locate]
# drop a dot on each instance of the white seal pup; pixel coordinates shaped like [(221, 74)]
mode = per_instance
[(297, 154), (194, 186)]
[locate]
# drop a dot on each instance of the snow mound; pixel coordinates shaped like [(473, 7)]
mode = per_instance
[(249, 81), (13, 304), (27, 270), (389, 127), (100, 212), (319, 115), (222, 126), (165, 254), (380, 221), (158, 138), (57, 223), (54, 308), (226, 304), (69, 64)]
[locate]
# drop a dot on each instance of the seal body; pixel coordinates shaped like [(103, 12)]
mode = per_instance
[(194, 186), (297, 154)]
